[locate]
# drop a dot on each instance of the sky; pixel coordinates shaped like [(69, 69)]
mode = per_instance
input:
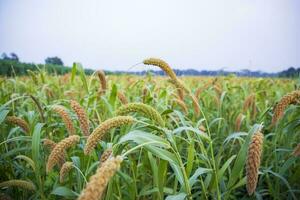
[(117, 34)]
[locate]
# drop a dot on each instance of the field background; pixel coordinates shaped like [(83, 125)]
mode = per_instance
[(193, 156)]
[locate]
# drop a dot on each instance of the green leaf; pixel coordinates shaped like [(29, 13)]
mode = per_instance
[(76, 162), (225, 166), (113, 95), (107, 105), (190, 159), (163, 154), (241, 158), (28, 160), (141, 137), (166, 112), (3, 114), (198, 172), (36, 142), (157, 147), (178, 173), (180, 196), (82, 76), (74, 70), (21, 138), (186, 128), (162, 174), (240, 183), (154, 168), (14, 151), (283, 180), (287, 164), (65, 192), (234, 136), (36, 156)]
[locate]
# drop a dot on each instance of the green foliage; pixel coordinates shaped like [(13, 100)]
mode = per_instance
[(174, 160), (54, 61), (13, 68)]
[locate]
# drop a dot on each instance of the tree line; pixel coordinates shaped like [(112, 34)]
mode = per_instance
[(10, 65)]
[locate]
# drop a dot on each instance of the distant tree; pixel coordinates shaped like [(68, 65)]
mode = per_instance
[(4, 56), (54, 61), (14, 57), (290, 72)]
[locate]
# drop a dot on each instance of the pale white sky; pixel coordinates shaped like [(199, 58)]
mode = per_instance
[(212, 34)]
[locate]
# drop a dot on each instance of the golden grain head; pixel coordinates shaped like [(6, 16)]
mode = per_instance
[(179, 85), (98, 182), (59, 150), (248, 103), (286, 100), (105, 155), (161, 64), (144, 94), (198, 92), (253, 161), (181, 104), (218, 90), (49, 144), (19, 122), (18, 183), (101, 76), (65, 169), (145, 109), (48, 91), (82, 117), (65, 117), (238, 122), (196, 105), (122, 97), (103, 128)]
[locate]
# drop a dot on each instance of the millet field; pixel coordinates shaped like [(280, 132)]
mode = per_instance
[(126, 137)]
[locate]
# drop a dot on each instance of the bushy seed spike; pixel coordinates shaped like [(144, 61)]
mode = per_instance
[(59, 150), (82, 117), (181, 103), (285, 101), (18, 183), (103, 128), (65, 117), (122, 98), (218, 90), (66, 167), (19, 122), (179, 85), (249, 101), (196, 105), (145, 109), (238, 122), (49, 143), (253, 161), (161, 64), (105, 155), (98, 182), (101, 76)]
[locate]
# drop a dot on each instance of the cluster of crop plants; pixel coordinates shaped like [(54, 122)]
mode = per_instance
[(132, 137)]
